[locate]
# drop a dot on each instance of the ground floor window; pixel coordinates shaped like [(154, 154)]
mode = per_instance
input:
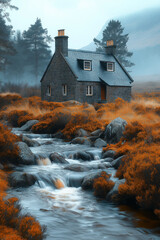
[(64, 89), (89, 91), (48, 92)]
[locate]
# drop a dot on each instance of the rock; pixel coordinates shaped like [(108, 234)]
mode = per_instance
[(117, 162), (57, 158), (47, 143), (28, 125), (75, 181), (30, 142), (81, 140), (18, 179), (82, 133), (77, 167), (101, 165), (108, 154), (58, 135), (93, 138), (97, 133), (1, 167), (99, 143), (114, 191), (88, 180), (82, 156), (25, 154), (114, 130), (108, 160)]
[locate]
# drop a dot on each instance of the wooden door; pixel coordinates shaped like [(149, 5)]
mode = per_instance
[(103, 92)]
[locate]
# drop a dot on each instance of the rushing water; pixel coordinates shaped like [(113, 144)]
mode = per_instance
[(71, 213)]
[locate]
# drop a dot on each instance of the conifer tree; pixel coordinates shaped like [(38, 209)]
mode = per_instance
[(114, 31), (37, 43)]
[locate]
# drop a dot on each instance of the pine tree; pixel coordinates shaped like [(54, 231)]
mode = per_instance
[(17, 63), (37, 40), (114, 31), (6, 45)]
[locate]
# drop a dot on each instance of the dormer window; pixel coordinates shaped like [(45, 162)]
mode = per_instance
[(87, 65), (110, 66)]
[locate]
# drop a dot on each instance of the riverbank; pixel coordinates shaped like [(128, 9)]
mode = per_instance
[(45, 130)]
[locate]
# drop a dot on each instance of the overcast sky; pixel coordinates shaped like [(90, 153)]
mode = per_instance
[(82, 19)]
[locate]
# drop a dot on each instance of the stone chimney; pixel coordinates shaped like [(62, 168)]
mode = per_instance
[(110, 48), (61, 42)]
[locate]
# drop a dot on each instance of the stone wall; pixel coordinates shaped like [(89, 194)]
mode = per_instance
[(81, 91), (58, 74), (118, 92)]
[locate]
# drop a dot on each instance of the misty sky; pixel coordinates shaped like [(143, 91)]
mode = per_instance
[(82, 19)]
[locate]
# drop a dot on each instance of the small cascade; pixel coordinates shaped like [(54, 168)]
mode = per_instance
[(42, 159), (58, 184)]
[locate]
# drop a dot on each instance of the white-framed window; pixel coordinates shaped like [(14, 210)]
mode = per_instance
[(89, 91), (110, 66), (48, 91), (64, 89), (87, 65)]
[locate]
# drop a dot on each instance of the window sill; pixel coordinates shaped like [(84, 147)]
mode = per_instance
[(89, 95)]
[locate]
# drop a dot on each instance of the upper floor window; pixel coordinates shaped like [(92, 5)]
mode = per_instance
[(110, 66), (48, 92), (89, 91), (64, 89), (87, 65)]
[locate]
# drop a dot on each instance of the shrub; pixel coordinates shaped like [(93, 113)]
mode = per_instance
[(102, 185), (13, 117), (53, 123), (9, 152), (29, 228), (7, 99), (81, 119)]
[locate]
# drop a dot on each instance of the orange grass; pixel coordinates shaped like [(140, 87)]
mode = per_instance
[(102, 185), (12, 224)]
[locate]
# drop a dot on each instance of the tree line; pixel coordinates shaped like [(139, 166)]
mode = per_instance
[(24, 53)]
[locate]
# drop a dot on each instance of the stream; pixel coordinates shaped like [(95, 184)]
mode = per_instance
[(70, 212)]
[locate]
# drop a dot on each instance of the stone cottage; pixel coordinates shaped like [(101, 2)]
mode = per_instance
[(84, 76)]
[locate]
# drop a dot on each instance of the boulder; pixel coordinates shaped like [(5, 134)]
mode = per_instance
[(114, 130), (77, 167), (108, 160), (99, 143), (88, 180), (30, 142), (1, 167), (18, 179), (117, 162), (47, 143), (57, 158), (101, 165), (28, 125), (97, 133), (75, 180), (25, 154), (108, 154), (82, 156), (58, 135), (113, 193), (82, 133), (81, 140)]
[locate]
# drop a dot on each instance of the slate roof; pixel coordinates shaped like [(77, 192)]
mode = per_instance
[(119, 77)]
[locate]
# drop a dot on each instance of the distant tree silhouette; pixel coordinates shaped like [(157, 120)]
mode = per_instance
[(37, 43), (114, 31), (6, 44)]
